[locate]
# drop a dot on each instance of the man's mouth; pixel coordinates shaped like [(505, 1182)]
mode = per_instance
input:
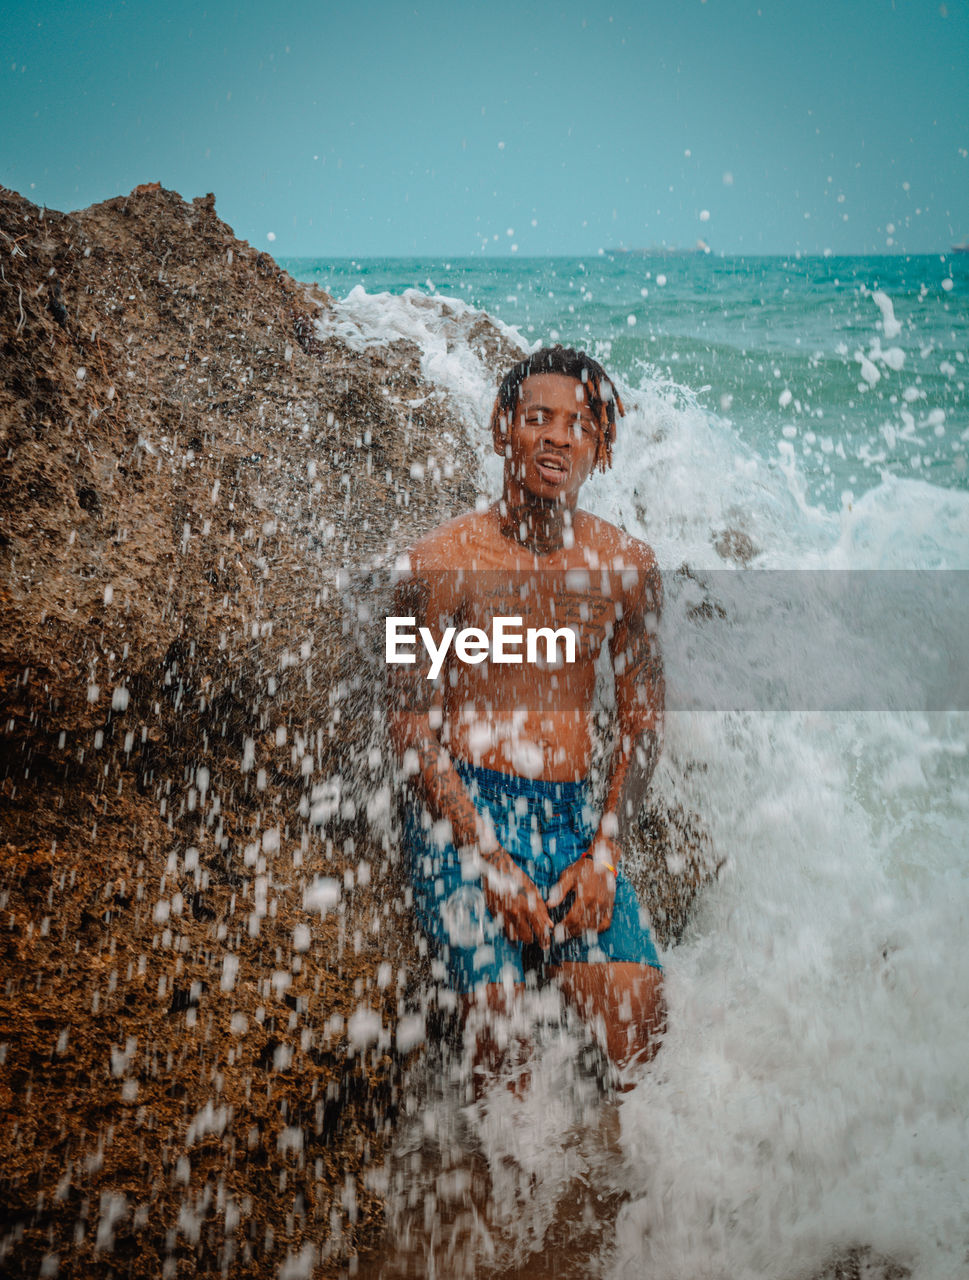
[(552, 468)]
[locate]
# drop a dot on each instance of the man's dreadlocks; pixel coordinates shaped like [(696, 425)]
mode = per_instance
[(601, 396)]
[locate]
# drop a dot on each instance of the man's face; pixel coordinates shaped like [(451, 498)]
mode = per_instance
[(553, 438)]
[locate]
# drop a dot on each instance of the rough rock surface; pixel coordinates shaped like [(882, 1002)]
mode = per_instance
[(207, 950)]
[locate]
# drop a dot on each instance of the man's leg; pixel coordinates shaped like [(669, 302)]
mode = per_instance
[(623, 1002), (495, 1017)]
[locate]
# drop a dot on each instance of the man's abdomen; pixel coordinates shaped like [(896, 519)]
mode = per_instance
[(554, 746)]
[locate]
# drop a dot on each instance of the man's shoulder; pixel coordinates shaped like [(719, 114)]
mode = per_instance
[(445, 546), (612, 544)]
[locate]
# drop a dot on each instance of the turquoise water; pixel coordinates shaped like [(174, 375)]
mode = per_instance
[(797, 355)]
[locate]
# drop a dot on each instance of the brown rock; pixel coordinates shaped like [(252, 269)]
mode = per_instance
[(180, 479)]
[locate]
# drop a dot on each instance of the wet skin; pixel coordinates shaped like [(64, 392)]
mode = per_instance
[(537, 556)]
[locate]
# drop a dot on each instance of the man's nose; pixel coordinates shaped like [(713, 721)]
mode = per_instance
[(558, 431)]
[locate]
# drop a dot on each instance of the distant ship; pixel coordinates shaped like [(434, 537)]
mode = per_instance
[(962, 247), (657, 251)]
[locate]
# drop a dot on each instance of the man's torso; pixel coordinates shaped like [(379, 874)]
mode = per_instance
[(528, 718)]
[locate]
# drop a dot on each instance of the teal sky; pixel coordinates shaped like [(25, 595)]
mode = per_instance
[(441, 128)]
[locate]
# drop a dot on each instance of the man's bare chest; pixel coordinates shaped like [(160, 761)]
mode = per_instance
[(570, 600)]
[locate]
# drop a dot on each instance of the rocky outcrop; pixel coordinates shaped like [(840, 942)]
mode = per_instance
[(181, 479)]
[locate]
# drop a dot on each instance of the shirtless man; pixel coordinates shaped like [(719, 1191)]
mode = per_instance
[(510, 857)]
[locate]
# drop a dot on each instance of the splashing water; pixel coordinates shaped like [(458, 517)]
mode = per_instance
[(808, 1099)]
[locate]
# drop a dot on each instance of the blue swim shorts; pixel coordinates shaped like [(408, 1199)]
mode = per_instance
[(545, 826)]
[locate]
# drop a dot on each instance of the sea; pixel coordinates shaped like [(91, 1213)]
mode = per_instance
[(795, 451)]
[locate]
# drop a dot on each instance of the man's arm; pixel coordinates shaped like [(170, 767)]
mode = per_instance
[(640, 699), (415, 720), (640, 695)]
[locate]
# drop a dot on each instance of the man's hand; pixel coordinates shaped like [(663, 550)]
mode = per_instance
[(513, 900), (594, 885)]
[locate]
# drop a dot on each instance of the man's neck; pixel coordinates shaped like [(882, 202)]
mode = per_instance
[(538, 527)]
